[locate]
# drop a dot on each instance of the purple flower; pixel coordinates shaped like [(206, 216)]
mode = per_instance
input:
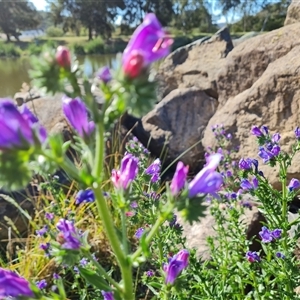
[(229, 136), (179, 178), (68, 236), (265, 129), (56, 276), (83, 262), (154, 170), (248, 186), (41, 284), (44, 246), (276, 233), (18, 129), (245, 164), (149, 273), (276, 137), (49, 216), (108, 295), (104, 74), (265, 154), (138, 234), (42, 231), (275, 150), (266, 235), (255, 164), (176, 264), (294, 184), (280, 255), (256, 131), (297, 133), (252, 257), (207, 181), (76, 113), (127, 173), (12, 285), (84, 196), (149, 43)]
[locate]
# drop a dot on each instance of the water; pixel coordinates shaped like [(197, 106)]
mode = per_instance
[(13, 72)]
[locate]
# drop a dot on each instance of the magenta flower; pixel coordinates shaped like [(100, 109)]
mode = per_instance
[(127, 173), (207, 181), (18, 129), (76, 113), (149, 43), (68, 236), (175, 266), (179, 178), (12, 285)]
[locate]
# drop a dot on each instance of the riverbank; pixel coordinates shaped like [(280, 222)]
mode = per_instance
[(81, 45)]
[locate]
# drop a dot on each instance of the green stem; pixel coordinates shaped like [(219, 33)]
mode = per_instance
[(124, 232), (102, 271), (105, 215)]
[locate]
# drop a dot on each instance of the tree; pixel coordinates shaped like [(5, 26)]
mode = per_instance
[(16, 16)]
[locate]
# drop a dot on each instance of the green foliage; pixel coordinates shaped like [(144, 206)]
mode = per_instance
[(54, 32), (95, 46), (9, 50), (79, 49)]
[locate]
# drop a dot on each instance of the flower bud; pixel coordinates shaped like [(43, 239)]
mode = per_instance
[(134, 64), (63, 57)]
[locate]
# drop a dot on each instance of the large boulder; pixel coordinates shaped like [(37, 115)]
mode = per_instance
[(195, 65), (175, 125), (272, 100), (248, 61), (293, 13)]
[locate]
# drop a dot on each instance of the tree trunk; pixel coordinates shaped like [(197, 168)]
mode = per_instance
[(90, 33), (7, 37)]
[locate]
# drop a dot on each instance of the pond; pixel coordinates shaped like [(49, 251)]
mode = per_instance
[(13, 72)]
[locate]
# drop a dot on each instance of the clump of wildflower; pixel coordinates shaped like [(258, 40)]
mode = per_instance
[(245, 164), (253, 257), (175, 266)]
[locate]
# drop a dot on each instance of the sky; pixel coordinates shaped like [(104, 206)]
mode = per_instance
[(39, 4)]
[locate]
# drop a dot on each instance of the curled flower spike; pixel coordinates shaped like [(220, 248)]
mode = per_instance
[(104, 74), (68, 236), (154, 170)]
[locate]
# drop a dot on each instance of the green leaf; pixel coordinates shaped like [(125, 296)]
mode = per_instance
[(94, 279)]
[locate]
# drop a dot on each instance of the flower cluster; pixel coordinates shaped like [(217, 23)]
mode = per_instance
[(268, 236), (68, 236)]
